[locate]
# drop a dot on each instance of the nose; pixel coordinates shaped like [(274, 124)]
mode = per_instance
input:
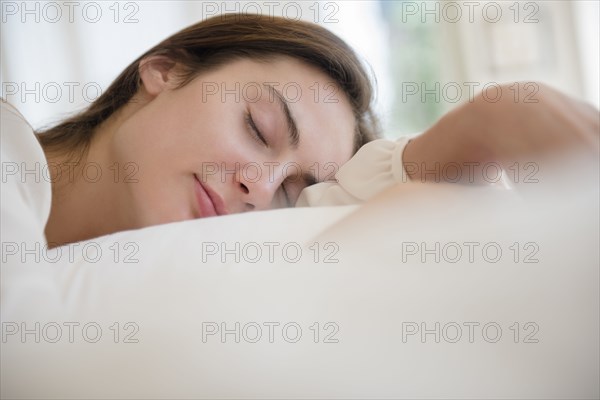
[(258, 192)]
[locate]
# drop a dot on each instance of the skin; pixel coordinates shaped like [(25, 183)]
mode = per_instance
[(551, 131), (152, 151)]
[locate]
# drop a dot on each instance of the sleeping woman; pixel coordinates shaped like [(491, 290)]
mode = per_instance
[(241, 113)]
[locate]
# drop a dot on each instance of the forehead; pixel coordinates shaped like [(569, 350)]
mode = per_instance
[(320, 108)]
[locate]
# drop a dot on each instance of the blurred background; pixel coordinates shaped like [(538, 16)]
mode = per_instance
[(427, 56)]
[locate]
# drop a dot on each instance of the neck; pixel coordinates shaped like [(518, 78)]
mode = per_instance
[(86, 194), (81, 197)]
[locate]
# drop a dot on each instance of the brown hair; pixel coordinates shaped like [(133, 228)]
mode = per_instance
[(212, 43)]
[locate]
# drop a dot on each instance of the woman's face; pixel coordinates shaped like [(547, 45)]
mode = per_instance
[(246, 136)]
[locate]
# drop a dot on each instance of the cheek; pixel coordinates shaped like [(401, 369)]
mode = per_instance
[(175, 133)]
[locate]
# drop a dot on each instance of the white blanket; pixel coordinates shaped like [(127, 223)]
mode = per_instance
[(180, 321)]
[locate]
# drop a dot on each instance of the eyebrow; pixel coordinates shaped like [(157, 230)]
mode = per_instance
[(293, 133)]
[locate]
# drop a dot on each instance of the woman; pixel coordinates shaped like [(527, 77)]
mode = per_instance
[(235, 113), (241, 113)]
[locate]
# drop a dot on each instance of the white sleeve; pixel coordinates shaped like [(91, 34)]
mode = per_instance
[(375, 167)]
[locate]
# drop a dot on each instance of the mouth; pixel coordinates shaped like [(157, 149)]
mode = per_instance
[(209, 202)]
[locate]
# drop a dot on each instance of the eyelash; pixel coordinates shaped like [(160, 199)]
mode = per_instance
[(254, 129)]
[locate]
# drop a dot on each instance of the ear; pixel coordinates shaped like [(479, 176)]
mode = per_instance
[(156, 74)]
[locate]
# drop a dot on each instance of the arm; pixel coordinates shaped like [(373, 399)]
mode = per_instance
[(506, 143), (542, 128)]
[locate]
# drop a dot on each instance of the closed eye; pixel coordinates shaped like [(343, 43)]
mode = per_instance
[(254, 131)]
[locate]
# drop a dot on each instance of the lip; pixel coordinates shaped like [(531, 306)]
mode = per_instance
[(209, 202)]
